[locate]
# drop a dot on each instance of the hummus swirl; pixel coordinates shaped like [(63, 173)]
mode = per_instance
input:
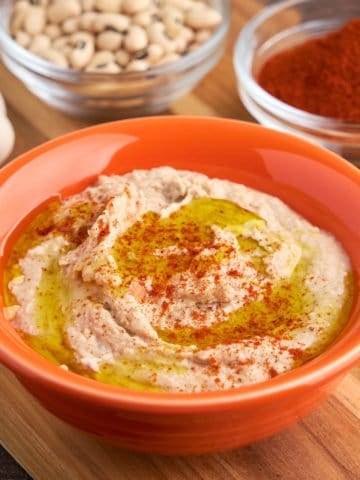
[(169, 280)]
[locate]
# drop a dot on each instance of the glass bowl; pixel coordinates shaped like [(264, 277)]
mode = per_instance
[(98, 96), (280, 27)]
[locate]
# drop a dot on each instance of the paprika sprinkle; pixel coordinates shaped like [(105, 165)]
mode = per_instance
[(320, 76)]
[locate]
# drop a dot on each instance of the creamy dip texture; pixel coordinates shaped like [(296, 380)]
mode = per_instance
[(169, 280)]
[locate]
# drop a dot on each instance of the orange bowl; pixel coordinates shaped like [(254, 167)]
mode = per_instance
[(319, 185)]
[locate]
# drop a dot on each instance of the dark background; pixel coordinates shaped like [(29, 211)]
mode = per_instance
[(9, 469)]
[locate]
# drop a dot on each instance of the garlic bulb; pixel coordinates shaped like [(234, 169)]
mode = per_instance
[(7, 134)]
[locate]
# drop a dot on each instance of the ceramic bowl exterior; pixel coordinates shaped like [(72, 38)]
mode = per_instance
[(319, 185)]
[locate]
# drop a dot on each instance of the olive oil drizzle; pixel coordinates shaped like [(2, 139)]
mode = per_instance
[(189, 230)]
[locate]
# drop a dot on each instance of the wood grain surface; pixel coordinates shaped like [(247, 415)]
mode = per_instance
[(325, 445)]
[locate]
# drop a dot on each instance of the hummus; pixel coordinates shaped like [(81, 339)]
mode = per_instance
[(169, 280)]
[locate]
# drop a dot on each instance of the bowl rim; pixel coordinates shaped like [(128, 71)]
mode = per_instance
[(36, 370), (277, 107), (38, 65)]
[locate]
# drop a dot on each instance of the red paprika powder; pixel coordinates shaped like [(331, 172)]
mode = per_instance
[(320, 76)]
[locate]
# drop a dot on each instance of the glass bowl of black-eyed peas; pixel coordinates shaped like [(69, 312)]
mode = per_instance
[(108, 59)]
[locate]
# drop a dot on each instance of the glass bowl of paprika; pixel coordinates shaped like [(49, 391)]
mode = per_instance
[(298, 70)]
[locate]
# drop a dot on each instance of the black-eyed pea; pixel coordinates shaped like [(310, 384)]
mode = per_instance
[(198, 4), (134, 6), (86, 21), (35, 20), (63, 45), (157, 35), (53, 31), (18, 17), (145, 18), (41, 3), (155, 52), (202, 36), (181, 44), (109, 40), (16, 23), (140, 54), (169, 46), (188, 34), (110, 21), (102, 56), (170, 57), (106, 67), (66, 50), (39, 42), (23, 38), (21, 6), (172, 12), (200, 18), (60, 10), (87, 5), (155, 29), (136, 39), (82, 49), (122, 57), (180, 4), (173, 27), (54, 56), (70, 25), (109, 6), (61, 42), (137, 66)]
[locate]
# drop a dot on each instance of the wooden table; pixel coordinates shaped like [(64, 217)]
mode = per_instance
[(326, 444)]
